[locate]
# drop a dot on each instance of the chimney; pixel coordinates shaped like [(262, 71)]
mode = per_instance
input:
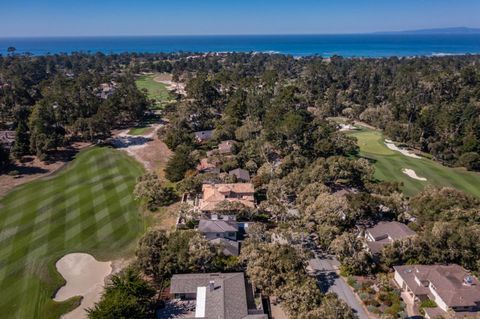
[(211, 285)]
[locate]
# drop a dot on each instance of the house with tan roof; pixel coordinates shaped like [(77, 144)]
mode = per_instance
[(385, 233), (223, 197), (224, 148), (207, 166), (454, 290)]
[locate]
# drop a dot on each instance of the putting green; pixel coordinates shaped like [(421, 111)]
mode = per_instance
[(389, 165), (87, 207), (156, 91)]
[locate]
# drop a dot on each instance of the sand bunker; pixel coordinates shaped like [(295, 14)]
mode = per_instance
[(411, 173), (347, 127), (405, 152), (85, 277)]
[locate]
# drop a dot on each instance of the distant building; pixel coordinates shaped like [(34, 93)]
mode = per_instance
[(7, 139), (217, 295), (213, 196), (455, 291), (385, 233), (203, 136), (106, 89), (206, 166), (226, 147), (241, 174)]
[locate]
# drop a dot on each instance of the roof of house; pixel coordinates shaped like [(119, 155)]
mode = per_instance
[(241, 174), (217, 226), (205, 165), (393, 230), (229, 247), (227, 299), (214, 194), (225, 146), (203, 135), (450, 282), (7, 137)]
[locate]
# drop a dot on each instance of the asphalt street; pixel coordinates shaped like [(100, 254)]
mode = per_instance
[(329, 281)]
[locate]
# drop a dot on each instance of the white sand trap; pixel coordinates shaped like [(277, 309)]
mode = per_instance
[(85, 277), (411, 173), (347, 127), (405, 152)]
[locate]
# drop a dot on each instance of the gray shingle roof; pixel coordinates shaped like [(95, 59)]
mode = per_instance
[(448, 281), (217, 226), (227, 300), (394, 230), (241, 174), (230, 247), (204, 135)]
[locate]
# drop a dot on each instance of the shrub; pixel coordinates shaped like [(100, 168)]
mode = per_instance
[(428, 303), (364, 296), (14, 173), (351, 281), (373, 309)]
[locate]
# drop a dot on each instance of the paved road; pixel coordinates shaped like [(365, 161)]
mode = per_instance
[(330, 281)]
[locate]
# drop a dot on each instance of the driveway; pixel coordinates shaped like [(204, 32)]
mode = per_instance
[(325, 267)]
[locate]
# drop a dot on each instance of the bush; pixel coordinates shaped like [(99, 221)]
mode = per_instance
[(373, 309), (14, 173), (470, 161), (351, 281), (428, 303), (364, 296)]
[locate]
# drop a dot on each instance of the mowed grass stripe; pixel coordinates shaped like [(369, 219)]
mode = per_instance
[(43, 220), (389, 166)]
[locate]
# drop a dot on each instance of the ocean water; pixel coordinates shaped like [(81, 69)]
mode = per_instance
[(371, 45)]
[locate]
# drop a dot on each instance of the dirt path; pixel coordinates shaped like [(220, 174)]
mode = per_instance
[(148, 149)]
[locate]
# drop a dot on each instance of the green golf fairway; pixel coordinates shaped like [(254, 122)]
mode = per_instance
[(87, 207), (389, 165), (156, 91)]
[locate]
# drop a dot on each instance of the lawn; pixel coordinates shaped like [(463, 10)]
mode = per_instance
[(156, 91), (389, 165), (87, 207), (137, 131)]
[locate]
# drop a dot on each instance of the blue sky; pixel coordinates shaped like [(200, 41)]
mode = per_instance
[(160, 17)]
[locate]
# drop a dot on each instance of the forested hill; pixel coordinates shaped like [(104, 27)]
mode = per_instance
[(431, 103)]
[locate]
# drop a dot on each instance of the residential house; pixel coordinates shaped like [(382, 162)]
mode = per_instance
[(203, 136), (207, 166), (7, 139), (385, 233), (215, 195), (454, 290), (241, 174), (106, 90), (224, 148), (222, 232), (213, 228), (217, 295)]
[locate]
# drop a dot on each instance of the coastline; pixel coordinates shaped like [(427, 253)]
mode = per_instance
[(328, 45)]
